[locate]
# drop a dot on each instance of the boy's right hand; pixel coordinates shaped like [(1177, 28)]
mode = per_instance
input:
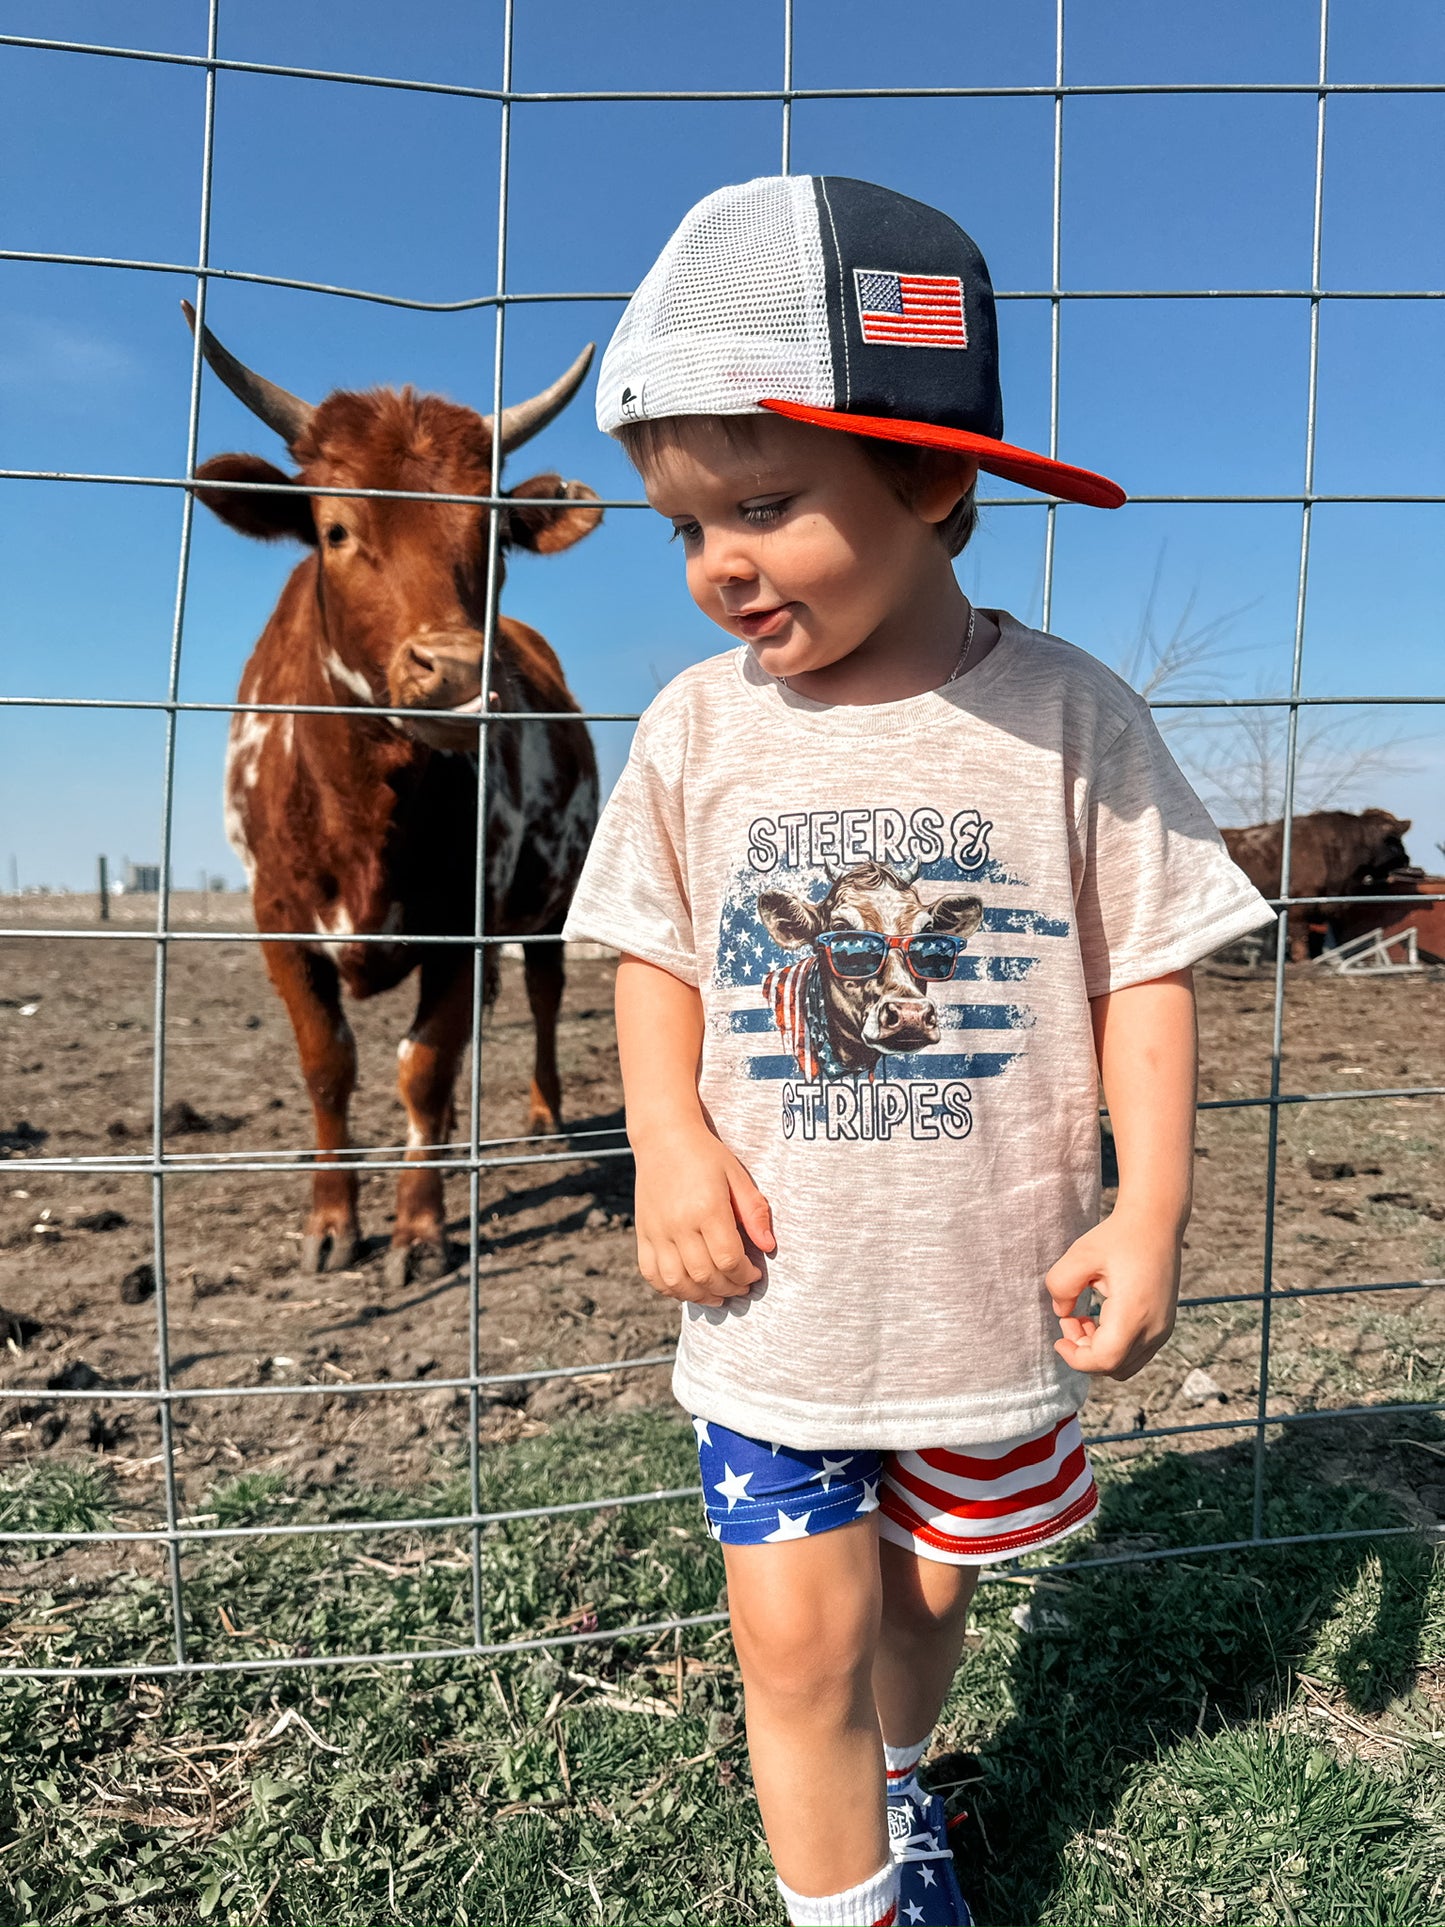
[(695, 1202)]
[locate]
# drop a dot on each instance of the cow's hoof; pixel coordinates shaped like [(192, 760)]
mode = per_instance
[(329, 1250), (421, 1263)]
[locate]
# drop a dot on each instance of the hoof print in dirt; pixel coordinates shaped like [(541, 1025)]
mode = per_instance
[(138, 1285), (77, 1376), (22, 1136), (181, 1119), (419, 1264), (18, 1330), (1327, 1170), (49, 1429), (178, 1119), (329, 1250), (101, 1221), (105, 1434), (1407, 1201)]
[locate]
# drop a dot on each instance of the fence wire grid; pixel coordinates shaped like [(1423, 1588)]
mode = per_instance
[(478, 1153)]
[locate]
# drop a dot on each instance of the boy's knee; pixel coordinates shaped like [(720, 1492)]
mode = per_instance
[(920, 1602), (808, 1654)]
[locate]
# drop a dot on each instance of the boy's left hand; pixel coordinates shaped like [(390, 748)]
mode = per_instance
[(1132, 1264)]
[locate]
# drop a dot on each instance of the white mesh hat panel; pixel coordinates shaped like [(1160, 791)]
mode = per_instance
[(732, 310)]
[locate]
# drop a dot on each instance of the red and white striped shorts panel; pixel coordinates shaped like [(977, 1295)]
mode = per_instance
[(988, 1502)]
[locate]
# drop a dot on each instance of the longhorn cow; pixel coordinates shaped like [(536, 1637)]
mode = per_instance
[(366, 826)]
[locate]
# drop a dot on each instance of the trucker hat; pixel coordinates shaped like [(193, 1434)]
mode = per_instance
[(831, 301)]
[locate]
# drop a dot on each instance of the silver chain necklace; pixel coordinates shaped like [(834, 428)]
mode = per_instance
[(963, 655)]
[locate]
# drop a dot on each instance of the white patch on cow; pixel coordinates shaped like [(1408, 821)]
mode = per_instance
[(288, 734), (346, 677), (416, 1137), (404, 1049), (248, 736), (335, 924), (236, 837), (243, 760)]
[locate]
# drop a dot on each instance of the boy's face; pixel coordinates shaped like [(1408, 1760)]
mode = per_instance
[(794, 542)]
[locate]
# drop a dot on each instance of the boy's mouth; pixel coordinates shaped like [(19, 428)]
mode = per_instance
[(756, 624)]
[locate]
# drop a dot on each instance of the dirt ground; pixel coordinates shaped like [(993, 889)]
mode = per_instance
[(1360, 1188)]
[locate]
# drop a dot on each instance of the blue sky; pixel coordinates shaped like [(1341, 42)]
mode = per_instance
[(397, 192)]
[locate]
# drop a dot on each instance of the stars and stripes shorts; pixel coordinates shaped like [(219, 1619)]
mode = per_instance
[(963, 1506)]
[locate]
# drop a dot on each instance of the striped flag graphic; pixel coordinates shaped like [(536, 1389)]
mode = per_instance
[(910, 310)]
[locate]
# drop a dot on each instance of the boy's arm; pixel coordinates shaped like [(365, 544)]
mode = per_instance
[(692, 1193), (1146, 1044)]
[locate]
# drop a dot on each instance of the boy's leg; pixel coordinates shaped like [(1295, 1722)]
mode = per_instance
[(924, 1614), (805, 1620), (923, 1619)]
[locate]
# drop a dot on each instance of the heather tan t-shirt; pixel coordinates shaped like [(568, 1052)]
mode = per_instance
[(929, 1146)]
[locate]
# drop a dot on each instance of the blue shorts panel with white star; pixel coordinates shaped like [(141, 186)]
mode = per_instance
[(760, 1494)]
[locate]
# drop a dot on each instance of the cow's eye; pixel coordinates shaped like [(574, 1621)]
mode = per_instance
[(336, 534)]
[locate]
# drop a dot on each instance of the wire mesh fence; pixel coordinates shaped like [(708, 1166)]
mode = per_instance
[(476, 1153)]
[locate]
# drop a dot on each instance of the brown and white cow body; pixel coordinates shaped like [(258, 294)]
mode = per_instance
[(366, 826), (838, 1026), (1332, 852)]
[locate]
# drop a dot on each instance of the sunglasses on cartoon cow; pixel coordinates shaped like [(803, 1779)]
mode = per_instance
[(931, 955)]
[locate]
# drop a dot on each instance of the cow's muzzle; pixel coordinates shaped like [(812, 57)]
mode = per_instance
[(901, 1024), (440, 681)]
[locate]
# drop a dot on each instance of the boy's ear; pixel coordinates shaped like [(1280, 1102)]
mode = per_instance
[(789, 920), (951, 479), (546, 530), (269, 517)]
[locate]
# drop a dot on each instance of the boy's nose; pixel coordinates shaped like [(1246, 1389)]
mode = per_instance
[(725, 560)]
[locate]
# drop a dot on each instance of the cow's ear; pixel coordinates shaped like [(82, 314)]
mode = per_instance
[(545, 530), (959, 916), (270, 517), (789, 920)]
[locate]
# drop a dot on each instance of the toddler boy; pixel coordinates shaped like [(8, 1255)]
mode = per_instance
[(894, 883)]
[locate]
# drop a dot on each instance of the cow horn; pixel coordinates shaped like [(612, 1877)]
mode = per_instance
[(524, 419), (282, 411)]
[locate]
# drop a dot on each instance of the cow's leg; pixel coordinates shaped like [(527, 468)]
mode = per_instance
[(544, 968), (427, 1061), (311, 991)]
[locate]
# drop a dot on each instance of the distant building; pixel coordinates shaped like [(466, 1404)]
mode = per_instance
[(142, 879)]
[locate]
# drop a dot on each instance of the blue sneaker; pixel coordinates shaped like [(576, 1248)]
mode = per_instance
[(928, 1891)]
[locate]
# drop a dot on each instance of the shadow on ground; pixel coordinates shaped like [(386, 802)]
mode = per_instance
[(1128, 1677)]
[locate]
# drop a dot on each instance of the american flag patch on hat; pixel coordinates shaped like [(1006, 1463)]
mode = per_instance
[(910, 310)]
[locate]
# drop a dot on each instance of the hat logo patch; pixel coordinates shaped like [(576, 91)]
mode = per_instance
[(630, 402), (910, 310)]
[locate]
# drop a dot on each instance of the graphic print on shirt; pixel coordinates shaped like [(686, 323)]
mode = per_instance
[(866, 934)]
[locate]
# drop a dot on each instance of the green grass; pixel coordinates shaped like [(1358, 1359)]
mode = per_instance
[(1145, 1752)]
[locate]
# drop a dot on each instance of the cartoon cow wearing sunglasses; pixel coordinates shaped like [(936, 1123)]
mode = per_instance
[(873, 949)]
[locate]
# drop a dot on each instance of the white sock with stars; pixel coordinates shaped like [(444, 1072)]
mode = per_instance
[(872, 1903)]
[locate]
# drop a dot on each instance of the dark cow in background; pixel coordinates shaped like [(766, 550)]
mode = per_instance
[(365, 825), (1331, 853), (836, 1025)]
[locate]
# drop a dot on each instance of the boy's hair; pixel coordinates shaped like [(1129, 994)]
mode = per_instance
[(907, 467)]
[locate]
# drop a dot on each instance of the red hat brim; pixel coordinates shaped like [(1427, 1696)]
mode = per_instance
[(999, 458)]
